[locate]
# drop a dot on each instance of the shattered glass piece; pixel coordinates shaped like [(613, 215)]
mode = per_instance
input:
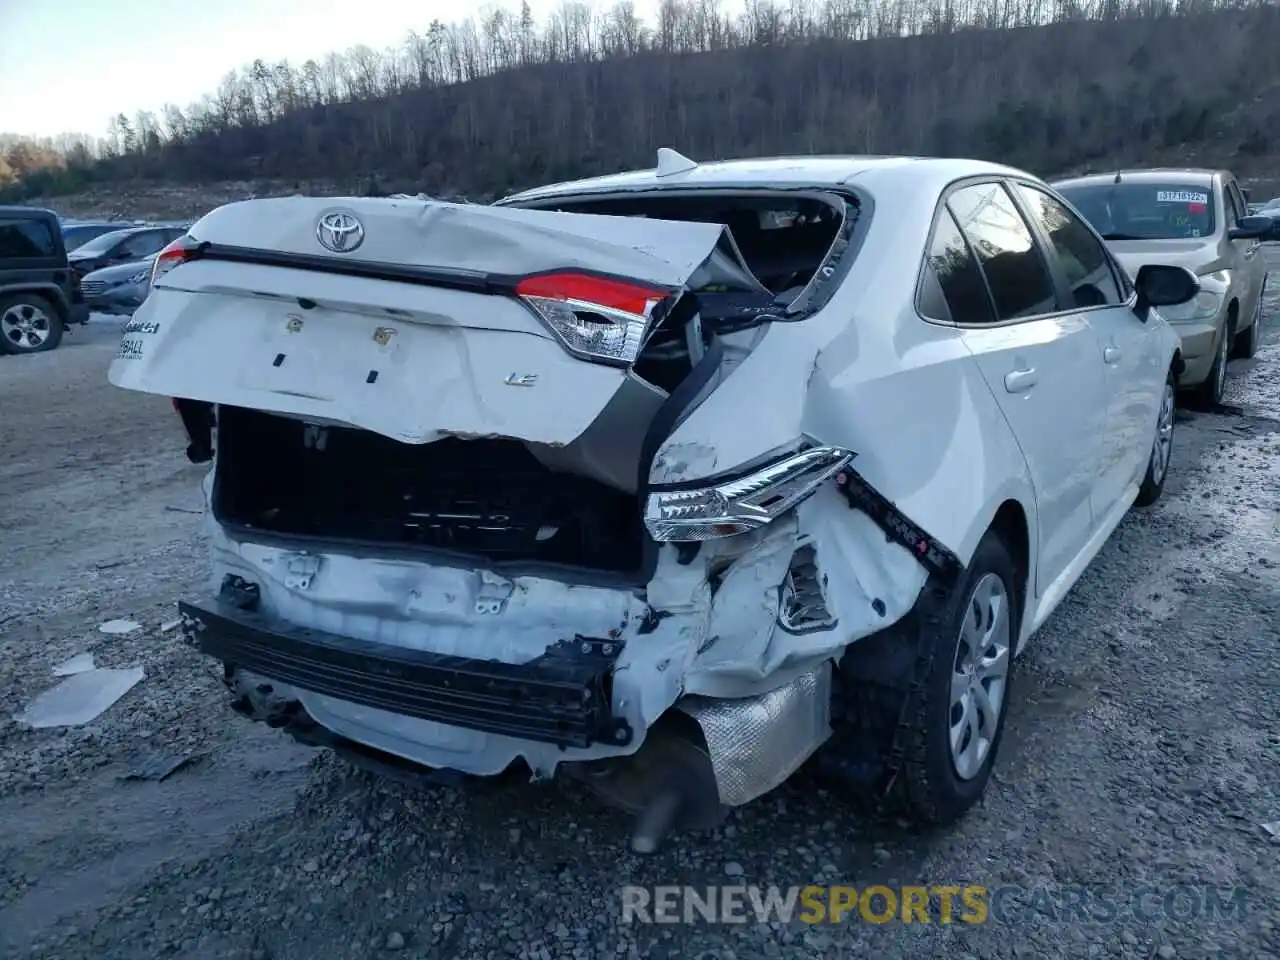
[(79, 699), (80, 663), (119, 626), (1272, 828)]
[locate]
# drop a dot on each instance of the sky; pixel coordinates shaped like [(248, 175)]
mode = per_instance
[(74, 64)]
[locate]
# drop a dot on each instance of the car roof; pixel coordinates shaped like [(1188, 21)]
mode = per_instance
[(781, 172), (1196, 176), (17, 210)]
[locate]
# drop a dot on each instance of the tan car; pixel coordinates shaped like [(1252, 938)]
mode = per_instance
[(1196, 219)]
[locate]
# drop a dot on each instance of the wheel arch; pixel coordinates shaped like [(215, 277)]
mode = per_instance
[(46, 291), (1013, 527)]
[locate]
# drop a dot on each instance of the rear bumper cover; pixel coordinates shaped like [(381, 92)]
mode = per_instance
[(561, 698)]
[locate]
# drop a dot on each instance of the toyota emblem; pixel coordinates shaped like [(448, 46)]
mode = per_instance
[(340, 232)]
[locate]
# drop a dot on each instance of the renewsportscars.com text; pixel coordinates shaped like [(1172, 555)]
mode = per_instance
[(934, 904)]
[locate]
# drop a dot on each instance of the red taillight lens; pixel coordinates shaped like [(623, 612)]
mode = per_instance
[(179, 251), (598, 291), (596, 318)]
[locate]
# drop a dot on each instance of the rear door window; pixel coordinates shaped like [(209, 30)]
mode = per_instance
[(26, 238), (1080, 254), (1006, 250)]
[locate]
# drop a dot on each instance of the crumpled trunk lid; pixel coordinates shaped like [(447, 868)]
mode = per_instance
[(414, 332)]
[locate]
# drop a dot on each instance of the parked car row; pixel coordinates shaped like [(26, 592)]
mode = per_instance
[(54, 273), (1198, 219), (697, 473)]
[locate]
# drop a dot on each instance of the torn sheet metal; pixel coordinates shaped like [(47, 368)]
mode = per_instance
[(866, 585), (80, 663), (80, 698)]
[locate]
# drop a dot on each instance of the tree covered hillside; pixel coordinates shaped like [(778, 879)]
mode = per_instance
[(496, 104)]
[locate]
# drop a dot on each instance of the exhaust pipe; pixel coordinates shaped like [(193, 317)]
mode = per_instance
[(669, 784)]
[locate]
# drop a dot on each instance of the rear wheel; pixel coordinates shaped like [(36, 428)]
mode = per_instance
[(28, 324), (921, 705), (957, 722), (1161, 448)]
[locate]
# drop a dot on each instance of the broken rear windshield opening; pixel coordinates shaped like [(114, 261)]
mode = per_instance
[(783, 241), (1145, 211)]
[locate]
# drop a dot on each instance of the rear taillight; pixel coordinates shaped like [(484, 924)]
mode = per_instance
[(596, 318), (178, 252)]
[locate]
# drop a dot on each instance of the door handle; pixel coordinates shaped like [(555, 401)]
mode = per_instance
[(1111, 354), (1019, 381)]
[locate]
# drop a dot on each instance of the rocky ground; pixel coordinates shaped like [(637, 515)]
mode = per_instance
[(1143, 750)]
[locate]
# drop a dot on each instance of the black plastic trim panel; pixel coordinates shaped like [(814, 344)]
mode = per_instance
[(562, 697)]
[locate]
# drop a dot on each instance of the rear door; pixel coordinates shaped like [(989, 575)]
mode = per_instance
[(1041, 363), (1129, 351)]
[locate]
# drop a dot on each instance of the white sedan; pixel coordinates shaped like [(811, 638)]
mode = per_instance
[(671, 480)]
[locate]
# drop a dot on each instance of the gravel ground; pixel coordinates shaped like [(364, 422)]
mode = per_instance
[(1142, 750)]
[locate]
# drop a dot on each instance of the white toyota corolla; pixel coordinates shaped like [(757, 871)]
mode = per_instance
[(671, 480)]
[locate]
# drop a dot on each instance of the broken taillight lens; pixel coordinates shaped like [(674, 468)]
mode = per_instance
[(743, 504), (177, 252), (595, 318)]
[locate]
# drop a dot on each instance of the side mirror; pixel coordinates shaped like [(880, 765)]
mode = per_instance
[(1252, 228), (1160, 285)]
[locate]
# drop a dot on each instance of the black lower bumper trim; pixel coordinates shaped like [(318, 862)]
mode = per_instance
[(562, 697)]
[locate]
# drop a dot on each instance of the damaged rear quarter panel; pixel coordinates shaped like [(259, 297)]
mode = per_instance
[(866, 373)]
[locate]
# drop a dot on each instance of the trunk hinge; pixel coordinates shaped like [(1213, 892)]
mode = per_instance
[(931, 554), (302, 569), (493, 594)]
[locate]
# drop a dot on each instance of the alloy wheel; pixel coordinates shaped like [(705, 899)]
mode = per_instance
[(979, 675)]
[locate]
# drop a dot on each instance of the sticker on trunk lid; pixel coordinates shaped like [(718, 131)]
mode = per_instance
[(130, 349)]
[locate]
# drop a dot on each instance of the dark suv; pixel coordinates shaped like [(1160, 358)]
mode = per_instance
[(39, 293)]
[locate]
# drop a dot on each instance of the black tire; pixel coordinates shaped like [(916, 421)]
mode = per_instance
[(1208, 395), (1158, 471), (1247, 340), (28, 324), (929, 788)]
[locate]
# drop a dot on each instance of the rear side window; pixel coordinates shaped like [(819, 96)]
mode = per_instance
[(26, 238), (1006, 251), (1079, 253), (954, 289)]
